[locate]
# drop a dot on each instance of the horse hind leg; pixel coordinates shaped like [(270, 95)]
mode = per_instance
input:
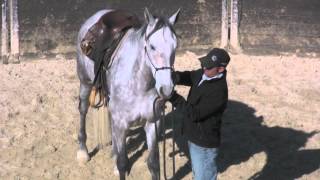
[(153, 158), (82, 154)]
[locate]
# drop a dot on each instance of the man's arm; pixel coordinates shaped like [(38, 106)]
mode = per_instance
[(183, 78), (206, 107)]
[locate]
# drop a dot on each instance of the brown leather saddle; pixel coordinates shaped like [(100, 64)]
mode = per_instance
[(107, 29), (101, 41)]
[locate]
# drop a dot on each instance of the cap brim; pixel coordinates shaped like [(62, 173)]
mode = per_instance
[(205, 64), (203, 61), (202, 58)]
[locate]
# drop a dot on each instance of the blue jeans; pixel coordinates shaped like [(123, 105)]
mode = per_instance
[(203, 161)]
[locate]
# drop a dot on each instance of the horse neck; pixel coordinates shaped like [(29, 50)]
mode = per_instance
[(135, 60), (142, 60)]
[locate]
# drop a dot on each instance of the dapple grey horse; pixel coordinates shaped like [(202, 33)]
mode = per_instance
[(140, 73)]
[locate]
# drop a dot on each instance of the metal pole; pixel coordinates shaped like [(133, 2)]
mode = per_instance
[(224, 25), (4, 33), (14, 32)]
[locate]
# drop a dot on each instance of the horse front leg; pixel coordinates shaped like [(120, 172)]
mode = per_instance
[(153, 158), (119, 150), (82, 154)]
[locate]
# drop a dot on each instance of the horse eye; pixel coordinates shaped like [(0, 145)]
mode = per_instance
[(152, 47)]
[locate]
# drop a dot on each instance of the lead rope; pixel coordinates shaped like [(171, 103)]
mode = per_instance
[(173, 146), (162, 123), (156, 128), (163, 144)]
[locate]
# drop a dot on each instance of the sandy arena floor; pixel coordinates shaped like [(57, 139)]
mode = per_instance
[(271, 129)]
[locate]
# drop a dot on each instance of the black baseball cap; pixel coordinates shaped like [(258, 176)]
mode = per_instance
[(215, 58)]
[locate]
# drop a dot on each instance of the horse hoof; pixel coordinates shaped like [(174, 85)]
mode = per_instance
[(115, 171), (82, 157)]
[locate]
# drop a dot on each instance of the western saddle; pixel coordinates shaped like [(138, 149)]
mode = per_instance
[(100, 42)]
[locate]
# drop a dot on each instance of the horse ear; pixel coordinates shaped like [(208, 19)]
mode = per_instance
[(148, 16), (174, 18)]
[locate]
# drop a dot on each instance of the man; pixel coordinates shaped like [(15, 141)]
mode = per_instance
[(201, 113)]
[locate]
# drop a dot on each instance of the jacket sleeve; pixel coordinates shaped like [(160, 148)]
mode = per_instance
[(207, 106), (183, 78)]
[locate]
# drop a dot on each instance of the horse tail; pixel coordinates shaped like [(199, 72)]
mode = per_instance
[(102, 127)]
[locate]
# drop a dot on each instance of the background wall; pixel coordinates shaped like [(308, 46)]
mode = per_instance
[(50, 26), (280, 27)]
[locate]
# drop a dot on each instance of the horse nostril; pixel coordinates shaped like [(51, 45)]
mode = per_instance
[(161, 91), (165, 92)]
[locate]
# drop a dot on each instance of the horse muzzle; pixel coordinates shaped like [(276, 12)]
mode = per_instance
[(165, 91)]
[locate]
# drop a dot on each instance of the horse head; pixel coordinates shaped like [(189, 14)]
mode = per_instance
[(160, 46)]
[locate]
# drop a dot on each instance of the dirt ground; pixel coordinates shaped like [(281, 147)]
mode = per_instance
[(271, 128)]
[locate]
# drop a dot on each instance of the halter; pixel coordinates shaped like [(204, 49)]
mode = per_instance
[(147, 53), (162, 114)]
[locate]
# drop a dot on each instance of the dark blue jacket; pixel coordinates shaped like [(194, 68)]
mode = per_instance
[(204, 107)]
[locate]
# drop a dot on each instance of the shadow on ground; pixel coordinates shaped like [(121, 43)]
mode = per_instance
[(244, 135)]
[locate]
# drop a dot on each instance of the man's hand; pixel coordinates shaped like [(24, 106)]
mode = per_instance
[(176, 99), (160, 104)]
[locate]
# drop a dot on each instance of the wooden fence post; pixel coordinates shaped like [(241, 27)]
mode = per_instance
[(234, 27), (4, 33), (14, 32), (224, 25)]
